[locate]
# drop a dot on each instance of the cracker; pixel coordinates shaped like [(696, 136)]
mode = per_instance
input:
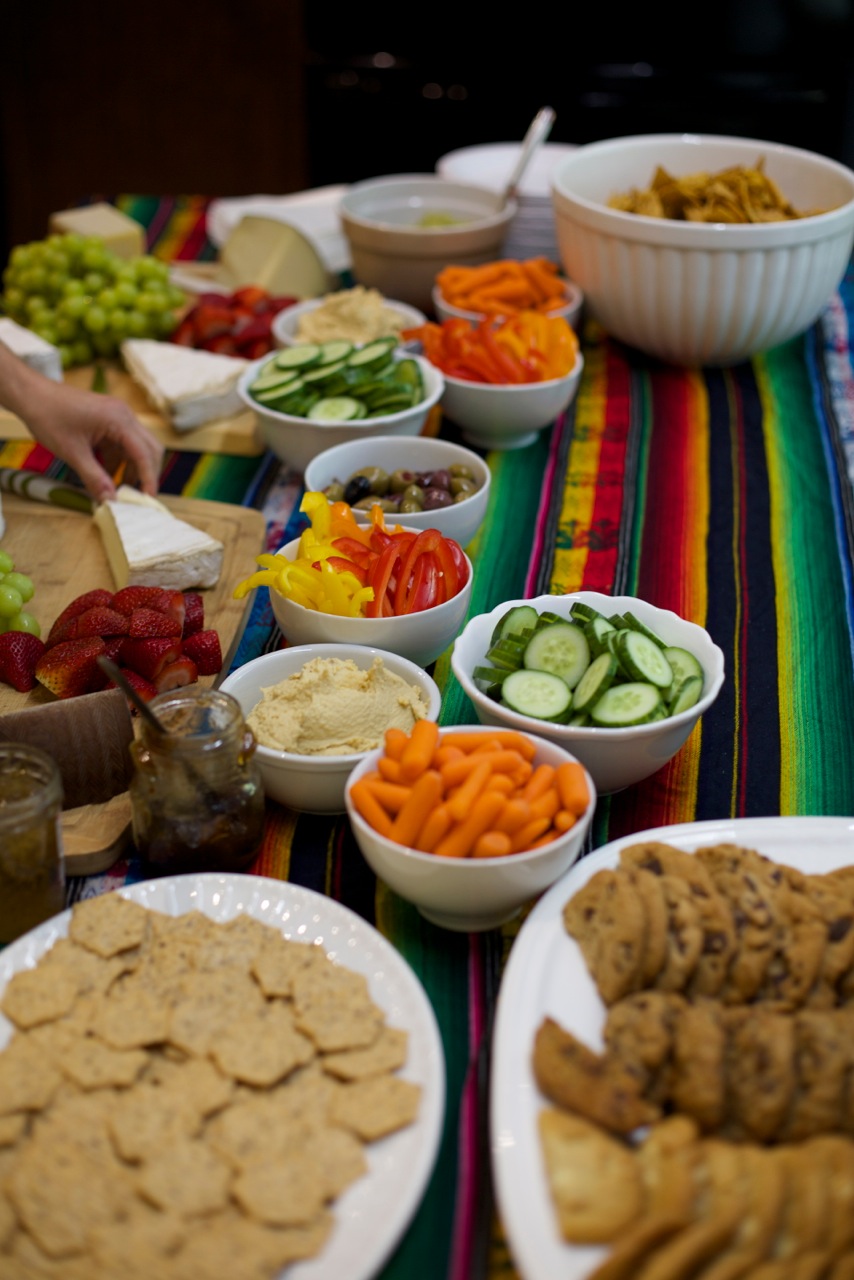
[(27, 1080), (108, 924), (146, 1120), (131, 1018), (283, 1192), (12, 1127), (387, 1053), (262, 1049), (375, 1107), (279, 961), (188, 1179), (207, 1002), (92, 1064), (33, 996), (60, 1194), (334, 1025)]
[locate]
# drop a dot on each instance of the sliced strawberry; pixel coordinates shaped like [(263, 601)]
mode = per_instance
[(255, 327), (194, 615), (62, 630), (176, 607), (212, 320), (150, 622), (251, 296), (101, 621), (144, 688), (71, 668), (255, 349), (19, 653), (275, 305), (185, 332), (89, 600), (222, 345), (177, 674), (149, 657), (130, 598), (113, 647), (204, 648)]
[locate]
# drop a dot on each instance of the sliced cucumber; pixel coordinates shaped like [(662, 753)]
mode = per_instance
[(560, 648), (373, 356), (538, 694), (518, 619), (636, 625), (583, 612), (643, 659), (683, 663), (275, 378), (626, 704), (301, 357), (322, 373), (332, 352), (687, 694), (597, 629), (547, 618), (598, 677), (409, 372), (337, 409)]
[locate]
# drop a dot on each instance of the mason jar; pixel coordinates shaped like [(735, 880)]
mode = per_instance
[(32, 870), (196, 794)]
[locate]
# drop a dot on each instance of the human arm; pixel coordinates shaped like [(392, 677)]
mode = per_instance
[(79, 425)]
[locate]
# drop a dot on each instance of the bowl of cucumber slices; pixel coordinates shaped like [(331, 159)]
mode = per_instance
[(311, 396), (617, 681)]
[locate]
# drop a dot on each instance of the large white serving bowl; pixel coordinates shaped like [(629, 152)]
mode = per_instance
[(298, 440), (314, 784), (391, 250), (508, 415), (470, 894), (460, 521), (702, 293), (286, 324), (615, 758), (420, 637)]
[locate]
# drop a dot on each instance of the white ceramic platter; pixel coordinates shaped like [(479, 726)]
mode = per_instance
[(546, 975), (375, 1211)]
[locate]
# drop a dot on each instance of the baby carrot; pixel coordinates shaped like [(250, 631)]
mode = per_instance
[(525, 836), (513, 816), (501, 782), (464, 797), (546, 805), (492, 844), (389, 769), (391, 795), (505, 760), (456, 771), (444, 755), (461, 839), (422, 799), (418, 752), (366, 804), (507, 738), (539, 782), (572, 787), (395, 741), (436, 826), (564, 820)]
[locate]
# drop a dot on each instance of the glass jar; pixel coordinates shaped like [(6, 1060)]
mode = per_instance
[(32, 870), (196, 793)]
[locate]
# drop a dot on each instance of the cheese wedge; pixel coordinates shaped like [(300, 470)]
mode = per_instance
[(147, 546), (33, 350), (189, 387), (122, 235)]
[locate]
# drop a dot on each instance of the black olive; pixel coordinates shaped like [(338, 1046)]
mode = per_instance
[(357, 488)]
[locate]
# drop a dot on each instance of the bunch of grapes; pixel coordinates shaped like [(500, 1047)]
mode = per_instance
[(75, 293), (16, 590)]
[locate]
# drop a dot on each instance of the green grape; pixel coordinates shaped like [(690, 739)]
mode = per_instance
[(152, 301), (107, 299), (35, 303), (73, 306), (149, 268), (46, 329), (21, 583), (7, 564), (33, 279), (137, 324), (176, 296), (81, 351), (11, 601), (66, 328), (66, 354), (23, 621), (118, 322), (74, 289), (20, 256), (164, 323), (126, 293), (95, 319), (94, 281), (14, 299)]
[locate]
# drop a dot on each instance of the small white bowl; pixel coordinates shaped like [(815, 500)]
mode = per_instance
[(286, 323), (616, 758), (420, 637), (313, 784), (508, 415), (470, 894), (392, 252), (298, 440), (460, 521), (697, 292), (571, 309)]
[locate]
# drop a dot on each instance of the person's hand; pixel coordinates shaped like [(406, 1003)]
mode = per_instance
[(94, 433)]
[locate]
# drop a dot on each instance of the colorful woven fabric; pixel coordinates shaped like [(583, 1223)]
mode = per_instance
[(723, 494)]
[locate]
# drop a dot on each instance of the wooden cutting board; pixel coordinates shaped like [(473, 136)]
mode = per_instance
[(63, 553), (237, 436)]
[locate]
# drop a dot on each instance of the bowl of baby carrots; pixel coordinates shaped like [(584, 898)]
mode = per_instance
[(469, 823), (505, 288)]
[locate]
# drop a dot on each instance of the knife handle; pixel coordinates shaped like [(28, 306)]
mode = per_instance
[(39, 488)]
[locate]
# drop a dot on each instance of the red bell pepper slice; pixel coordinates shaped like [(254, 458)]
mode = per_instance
[(354, 550), (379, 578), (342, 565), (426, 540), (424, 588)]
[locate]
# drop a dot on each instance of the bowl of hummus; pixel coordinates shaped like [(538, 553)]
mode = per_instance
[(358, 315), (317, 710)]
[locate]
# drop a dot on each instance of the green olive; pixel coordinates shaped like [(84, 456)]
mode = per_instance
[(462, 470), (400, 480), (335, 491), (376, 478), (461, 486), (384, 504), (409, 506), (415, 493)]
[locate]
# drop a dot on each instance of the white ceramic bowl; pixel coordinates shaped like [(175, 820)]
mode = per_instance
[(298, 440), (286, 323), (491, 164), (615, 758), (508, 416), (401, 258), (420, 637), (460, 521), (571, 310), (313, 784), (470, 894), (702, 293)]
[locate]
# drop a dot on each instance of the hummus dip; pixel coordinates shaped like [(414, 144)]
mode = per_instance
[(354, 315), (334, 708)]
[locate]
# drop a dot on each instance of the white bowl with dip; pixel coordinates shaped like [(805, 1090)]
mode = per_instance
[(311, 783), (287, 324)]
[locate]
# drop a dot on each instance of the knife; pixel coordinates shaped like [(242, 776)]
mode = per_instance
[(40, 488)]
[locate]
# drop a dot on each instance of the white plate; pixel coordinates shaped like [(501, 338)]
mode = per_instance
[(546, 974), (375, 1211)]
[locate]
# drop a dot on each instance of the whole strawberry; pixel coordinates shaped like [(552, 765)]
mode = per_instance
[(19, 653)]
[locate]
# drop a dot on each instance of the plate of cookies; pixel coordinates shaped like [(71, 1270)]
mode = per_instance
[(673, 1059), (210, 1075)]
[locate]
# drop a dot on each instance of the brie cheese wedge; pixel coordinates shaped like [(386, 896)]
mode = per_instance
[(189, 387), (42, 356), (147, 546)]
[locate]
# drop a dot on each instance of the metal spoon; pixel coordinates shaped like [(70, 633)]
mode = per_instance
[(538, 131)]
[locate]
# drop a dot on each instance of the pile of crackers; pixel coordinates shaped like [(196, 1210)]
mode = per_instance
[(185, 1099), (729, 1047)]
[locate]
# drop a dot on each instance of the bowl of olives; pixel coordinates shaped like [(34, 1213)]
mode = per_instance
[(428, 483)]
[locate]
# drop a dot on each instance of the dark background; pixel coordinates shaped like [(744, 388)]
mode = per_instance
[(240, 97)]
